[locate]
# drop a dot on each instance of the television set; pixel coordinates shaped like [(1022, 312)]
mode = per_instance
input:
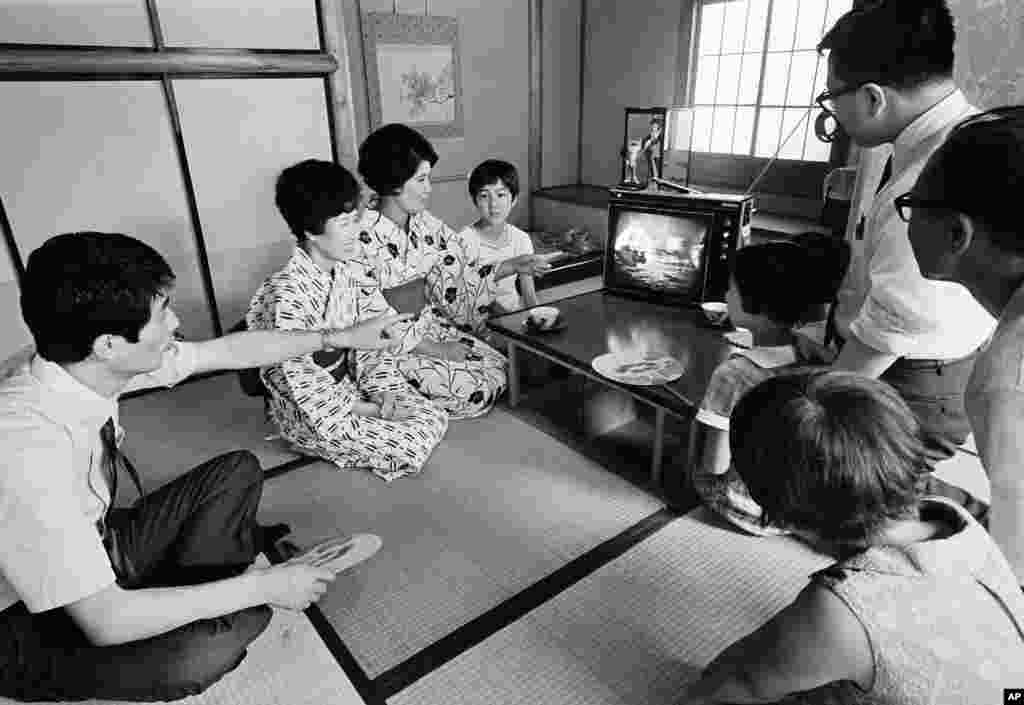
[(674, 248)]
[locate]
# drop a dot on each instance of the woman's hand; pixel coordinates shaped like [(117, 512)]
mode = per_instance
[(452, 350), (373, 334), (295, 585), (366, 408), (392, 409)]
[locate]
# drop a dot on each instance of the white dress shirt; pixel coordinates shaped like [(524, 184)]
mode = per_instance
[(884, 301), (53, 487)]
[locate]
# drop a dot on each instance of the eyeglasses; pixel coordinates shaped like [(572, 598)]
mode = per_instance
[(827, 99), (826, 126), (906, 204)]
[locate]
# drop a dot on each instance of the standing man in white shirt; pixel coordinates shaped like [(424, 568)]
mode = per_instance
[(154, 601), (965, 226), (890, 81)]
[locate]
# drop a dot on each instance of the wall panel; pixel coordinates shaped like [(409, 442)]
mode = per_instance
[(494, 46), (560, 87), (632, 55), (282, 24), (239, 135), (99, 156), (15, 335), (94, 22), (450, 202), (990, 50)]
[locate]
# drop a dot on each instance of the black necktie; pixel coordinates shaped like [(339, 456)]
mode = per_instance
[(886, 174), (114, 459), (830, 324)]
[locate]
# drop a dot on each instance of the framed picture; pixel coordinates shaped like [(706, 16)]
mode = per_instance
[(413, 72), (643, 146)]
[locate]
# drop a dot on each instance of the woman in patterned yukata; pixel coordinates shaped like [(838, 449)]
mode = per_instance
[(352, 409), (423, 266)]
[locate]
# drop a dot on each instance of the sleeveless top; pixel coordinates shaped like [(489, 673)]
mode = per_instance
[(945, 617)]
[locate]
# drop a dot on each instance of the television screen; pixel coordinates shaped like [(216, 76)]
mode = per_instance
[(658, 253)]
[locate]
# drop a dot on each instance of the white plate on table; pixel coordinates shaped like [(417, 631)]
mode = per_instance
[(639, 369)]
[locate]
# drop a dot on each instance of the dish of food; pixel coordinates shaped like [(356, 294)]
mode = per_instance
[(638, 369)]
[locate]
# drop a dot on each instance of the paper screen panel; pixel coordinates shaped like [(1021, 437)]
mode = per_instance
[(282, 24), (240, 134), (92, 22), (16, 335), (99, 156)]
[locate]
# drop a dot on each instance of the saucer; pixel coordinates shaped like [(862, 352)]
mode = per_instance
[(560, 324)]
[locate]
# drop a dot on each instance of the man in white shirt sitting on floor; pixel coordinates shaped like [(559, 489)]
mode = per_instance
[(154, 601), (890, 81)]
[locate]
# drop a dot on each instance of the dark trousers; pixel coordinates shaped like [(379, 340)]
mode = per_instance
[(195, 529), (934, 391)]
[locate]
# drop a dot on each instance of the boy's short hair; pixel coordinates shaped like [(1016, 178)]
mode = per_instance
[(898, 43), (979, 170), (79, 286), (490, 172), (764, 274), (310, 193), (833, 453), (391, 155)]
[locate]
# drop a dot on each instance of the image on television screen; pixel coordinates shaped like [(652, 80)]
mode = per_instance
[(659, 253)]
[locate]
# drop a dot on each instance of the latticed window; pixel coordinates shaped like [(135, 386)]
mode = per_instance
[(755, 75)]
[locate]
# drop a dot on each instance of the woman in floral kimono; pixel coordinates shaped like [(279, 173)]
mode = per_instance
[(423, 266)]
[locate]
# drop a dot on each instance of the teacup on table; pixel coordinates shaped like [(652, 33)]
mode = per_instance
[(716, 313), (543, 317)]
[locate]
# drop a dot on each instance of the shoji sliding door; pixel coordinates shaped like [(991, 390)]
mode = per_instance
[(239, 134), (165, 119)]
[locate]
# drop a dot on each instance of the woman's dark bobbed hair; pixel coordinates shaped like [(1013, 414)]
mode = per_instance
[(391, 155)]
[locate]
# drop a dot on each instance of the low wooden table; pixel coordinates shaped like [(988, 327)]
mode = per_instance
[(599, 322)]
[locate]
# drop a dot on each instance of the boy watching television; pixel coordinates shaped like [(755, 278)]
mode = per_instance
[(494, 188), (773, 315)]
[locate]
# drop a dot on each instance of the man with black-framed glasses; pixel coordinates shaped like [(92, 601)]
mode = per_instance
[(965, 227), (890, 81)]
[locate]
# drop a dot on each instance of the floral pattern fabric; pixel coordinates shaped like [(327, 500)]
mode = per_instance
[(312, 396), (458, 293)]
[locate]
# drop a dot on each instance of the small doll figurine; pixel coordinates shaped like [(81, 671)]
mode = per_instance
[(632, 154)]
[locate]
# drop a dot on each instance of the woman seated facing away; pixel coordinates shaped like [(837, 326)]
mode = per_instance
[(354, 409), (920, 608), (763, 298), (423, 266)]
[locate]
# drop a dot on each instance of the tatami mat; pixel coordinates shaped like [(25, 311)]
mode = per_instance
[(169, 431), (499, 506), (287, 665), (635, 631)]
